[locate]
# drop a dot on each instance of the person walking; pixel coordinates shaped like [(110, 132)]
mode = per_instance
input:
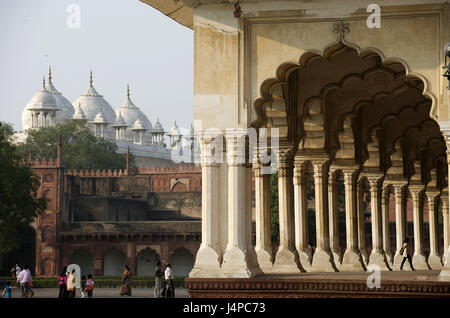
[(404, 253), (82, 286), (71, 284), (89, 287), (15, 270), (169, 289), (125, 288), (25, 280), (7, 290), (158, 280), (62, 284)]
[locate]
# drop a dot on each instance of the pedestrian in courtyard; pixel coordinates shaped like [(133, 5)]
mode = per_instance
[(82, 286), (15, 270), (7, 290), (71, 284), (25, 280), (62, 283), (89, 287), (169, 290), (158, 280), (404, 253), (125, 288)]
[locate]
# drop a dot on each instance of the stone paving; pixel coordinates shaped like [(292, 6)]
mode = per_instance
[(100, 293)]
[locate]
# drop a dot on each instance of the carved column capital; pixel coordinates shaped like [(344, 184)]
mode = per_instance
[(237, 147), (285, 161)]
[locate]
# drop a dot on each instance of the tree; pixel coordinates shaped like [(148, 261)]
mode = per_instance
[(19, 202), (81, 150)]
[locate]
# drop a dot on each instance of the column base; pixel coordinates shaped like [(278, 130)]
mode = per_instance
[(420, 262), (389, 258), (238, 264), (323, 262), (264, 258), (336, 258), (434, 261), (365, 256), (352, 262), (207, 264), (379, 259), (305, 258), (398, 259), (287, 261)]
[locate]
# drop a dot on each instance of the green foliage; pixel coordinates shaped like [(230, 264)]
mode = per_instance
[(19, 200), (81, 149)]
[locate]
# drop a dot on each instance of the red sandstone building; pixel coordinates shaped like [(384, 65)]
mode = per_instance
[(102, 220)]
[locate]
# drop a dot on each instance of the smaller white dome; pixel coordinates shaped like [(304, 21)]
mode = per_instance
[(100, 118), (43, 100), (120, 122), (79, 113), (175, 130), (138, 124), (158, 128)]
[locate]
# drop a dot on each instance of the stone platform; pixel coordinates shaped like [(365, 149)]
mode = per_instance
[(393, 284)]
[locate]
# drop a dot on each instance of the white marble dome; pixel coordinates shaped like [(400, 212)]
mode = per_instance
[(42, 99), (66, 110), (91, 102), (175, 130), (131, 113)]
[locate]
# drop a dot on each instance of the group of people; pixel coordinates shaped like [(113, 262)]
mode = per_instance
[(67, 284), (160, 291), (24, 280)]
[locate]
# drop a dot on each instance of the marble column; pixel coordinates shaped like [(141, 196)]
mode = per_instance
[(207, 262), (323, 259), (377, 256), (301, 215), (361, 222), (333, 216), (263, 246), (445, 272), (419, 260), (400, 225), (352, 260), (286, 259), (434, 258), (446, 221), (238, 259), (385, 200)]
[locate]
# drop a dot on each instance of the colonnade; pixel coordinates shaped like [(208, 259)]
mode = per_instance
[(232, 221)]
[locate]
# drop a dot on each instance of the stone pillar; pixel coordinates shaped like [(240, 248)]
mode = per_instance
[(434, 259), (445, 272), (385, 200), (301, 215), (352, 260), (263, 246), (446, 221), (377, 256), (323, 259), (207, 262), (238, 259), (333, 216), (400, 225), (361, 222), (419, 259), (286, 259)]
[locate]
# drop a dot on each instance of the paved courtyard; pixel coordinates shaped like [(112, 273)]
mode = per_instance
[(100, 293)]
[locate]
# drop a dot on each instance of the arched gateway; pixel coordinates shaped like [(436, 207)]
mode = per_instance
[(344, 113)]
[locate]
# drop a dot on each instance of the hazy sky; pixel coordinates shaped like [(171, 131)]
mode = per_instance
[(122, 41)]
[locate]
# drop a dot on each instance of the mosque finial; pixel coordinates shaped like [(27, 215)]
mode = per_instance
[(43, 82), (90, 79), (128, 91), (50, 74)]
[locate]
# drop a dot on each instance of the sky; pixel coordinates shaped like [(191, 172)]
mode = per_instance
[(122, 41)]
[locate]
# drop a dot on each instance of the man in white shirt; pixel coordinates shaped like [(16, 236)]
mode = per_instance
[(170, 290), (24, 279)]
